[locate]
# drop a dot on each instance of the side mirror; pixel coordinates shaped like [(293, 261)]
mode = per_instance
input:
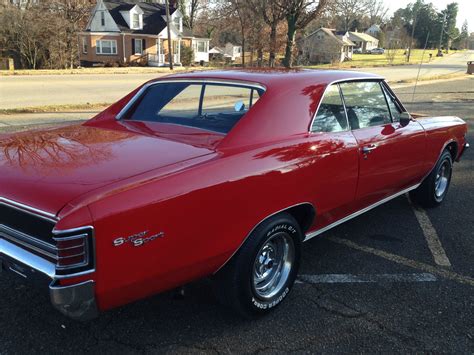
[(405, 119)]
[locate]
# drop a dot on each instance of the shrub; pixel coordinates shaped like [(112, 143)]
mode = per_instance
[(187, 55)]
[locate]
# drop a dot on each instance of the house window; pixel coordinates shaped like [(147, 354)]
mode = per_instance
[(201, 47), (106, 47), (84, 45), (138, 46), (135, 21), (178, 23), (102, 18)]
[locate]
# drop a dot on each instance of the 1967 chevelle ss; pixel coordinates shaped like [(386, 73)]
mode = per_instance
[(220, 174)]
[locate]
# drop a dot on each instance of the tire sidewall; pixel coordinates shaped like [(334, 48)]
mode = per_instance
[(251, 301), (446, 156)]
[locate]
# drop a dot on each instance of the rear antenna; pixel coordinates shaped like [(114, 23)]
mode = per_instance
[(419, 68)]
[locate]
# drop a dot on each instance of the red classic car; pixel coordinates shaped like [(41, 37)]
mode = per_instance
[(221, 174)]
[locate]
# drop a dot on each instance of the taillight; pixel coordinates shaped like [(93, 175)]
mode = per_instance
[(72, 251), (75, 252)]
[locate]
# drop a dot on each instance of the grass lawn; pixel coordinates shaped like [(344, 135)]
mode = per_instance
[(379, 60)]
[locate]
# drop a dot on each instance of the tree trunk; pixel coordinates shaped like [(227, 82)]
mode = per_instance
[(290, 41), (259, 57), (243, 50), (273, 37)]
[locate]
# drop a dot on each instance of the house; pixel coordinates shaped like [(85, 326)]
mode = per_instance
[(326, 46), (230, 52), (363, 40), (135, 32), (374, 30)]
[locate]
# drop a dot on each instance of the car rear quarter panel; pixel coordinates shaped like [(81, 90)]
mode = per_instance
[(206, 211)]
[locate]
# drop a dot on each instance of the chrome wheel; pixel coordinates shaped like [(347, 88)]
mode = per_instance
[(442, 179), (273, 265)]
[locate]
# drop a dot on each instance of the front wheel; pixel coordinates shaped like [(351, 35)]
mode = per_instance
[(261, 274), (434, 188)]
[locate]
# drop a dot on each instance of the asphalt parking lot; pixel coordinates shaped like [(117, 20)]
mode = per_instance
[(396, 279)]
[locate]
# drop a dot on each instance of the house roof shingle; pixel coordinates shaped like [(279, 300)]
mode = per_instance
[(153, 16)]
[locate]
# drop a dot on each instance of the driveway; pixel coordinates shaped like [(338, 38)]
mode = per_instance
[(375, 284), (40, 90)]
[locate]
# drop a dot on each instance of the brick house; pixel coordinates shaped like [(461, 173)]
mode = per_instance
[(135, 32), (326, 46)]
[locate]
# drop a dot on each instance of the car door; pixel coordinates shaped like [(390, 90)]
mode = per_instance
[(336, 168), (390, 155)]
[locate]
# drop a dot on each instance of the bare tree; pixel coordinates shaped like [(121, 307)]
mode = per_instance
[(190, 11), (351, 10), (273, 14), (298, 14), (377, 11)]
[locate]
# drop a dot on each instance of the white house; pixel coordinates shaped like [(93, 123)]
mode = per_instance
[(363, 40)]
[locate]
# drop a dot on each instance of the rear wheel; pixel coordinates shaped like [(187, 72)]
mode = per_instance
[(434, 188), (261, 274)]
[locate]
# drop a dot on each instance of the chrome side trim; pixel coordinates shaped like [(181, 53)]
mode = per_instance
[(140, 92), (358, 213), (267, 217), (28, 209), (376, 78), (32, 261)]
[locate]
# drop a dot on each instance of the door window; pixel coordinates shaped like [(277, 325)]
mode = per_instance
[(365, 104), (330, 116), (395, 110)]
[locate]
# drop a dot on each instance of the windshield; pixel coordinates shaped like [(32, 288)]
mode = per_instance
[(214, 107)]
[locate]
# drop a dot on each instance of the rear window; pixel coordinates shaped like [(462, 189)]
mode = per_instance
[(213, 107)]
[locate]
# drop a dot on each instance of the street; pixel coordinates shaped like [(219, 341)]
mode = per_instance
[(39, 90), (373, 284)]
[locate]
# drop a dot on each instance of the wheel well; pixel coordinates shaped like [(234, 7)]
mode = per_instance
[(453, 149), (304, 215)]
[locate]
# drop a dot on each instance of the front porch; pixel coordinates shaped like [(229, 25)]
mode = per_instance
[(161, 57)]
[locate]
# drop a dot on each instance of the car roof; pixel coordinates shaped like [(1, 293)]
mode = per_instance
[(285, 110), (269, 77)]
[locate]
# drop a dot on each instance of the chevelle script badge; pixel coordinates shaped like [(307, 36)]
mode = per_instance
[(138, 239)]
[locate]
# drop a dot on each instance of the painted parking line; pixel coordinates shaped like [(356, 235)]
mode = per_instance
[(441, 272), (431, 236), (366, 278)]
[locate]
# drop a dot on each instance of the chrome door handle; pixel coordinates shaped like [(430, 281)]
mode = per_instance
[(368, 148)]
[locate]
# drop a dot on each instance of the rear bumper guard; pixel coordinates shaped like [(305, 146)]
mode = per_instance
[(76, 301)]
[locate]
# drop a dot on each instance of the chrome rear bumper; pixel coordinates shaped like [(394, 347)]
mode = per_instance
[(75, 301)]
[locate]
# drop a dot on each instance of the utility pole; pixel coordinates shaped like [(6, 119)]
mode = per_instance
[(412, 35), (170, 55), (440, 52)]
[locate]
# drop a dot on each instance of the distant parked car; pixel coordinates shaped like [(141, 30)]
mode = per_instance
[(358, 50), (377, 51)]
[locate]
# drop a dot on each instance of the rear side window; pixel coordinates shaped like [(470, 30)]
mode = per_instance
[(212, 107), (330, 116), (365, 104)]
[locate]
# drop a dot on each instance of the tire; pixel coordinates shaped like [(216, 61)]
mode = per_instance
[(433, 190), (271, 252)]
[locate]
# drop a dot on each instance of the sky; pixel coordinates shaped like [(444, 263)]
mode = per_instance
[(465, 12)]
